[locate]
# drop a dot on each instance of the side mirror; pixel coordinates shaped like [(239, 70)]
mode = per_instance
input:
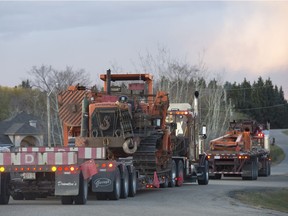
[(204, 131)]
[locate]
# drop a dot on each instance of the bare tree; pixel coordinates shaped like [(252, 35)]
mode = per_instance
[(52, 81), (181, 79), (45, 78)]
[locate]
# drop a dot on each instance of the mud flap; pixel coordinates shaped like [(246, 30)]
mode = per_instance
[(66, 184), (103, 182)]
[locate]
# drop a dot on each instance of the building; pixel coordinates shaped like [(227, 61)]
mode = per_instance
[(22, 130)]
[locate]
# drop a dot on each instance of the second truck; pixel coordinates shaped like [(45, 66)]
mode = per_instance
[(243, 151)]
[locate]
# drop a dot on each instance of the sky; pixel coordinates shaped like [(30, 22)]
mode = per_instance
[(237, 39)]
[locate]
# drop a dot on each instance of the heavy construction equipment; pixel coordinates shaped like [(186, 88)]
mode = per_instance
[(116, 141), (243, 151)]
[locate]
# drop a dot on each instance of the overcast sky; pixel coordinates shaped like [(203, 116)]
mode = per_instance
[(239, 39)]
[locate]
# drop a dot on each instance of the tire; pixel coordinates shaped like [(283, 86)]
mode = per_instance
[(165, 184), (264, 171), (5, 193), (173, 174), (67, 200), (29, 196), (18, 196), (218, 176), (101, 196), (125, 184), (180, 174), (205, 179), (81, 198), (132, 183), (255, 169), (269, 168), (115, 194)]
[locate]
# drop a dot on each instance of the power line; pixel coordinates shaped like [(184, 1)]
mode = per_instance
[(251, 88), (266, 107)]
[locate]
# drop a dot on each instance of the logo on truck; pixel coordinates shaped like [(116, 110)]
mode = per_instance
[(102, 182), (60, 183)]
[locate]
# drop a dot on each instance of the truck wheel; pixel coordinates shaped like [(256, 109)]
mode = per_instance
[(125, 184), (266, 168), (81, 198), (248, 167), (264, 171), (67, 200), (269, 168), (205, 176), (132, 183), (172, 182), (101, 196), (4, 193), (165, 184), (252, 167), (29, 196), (255, 169), (115, 194), (217, 176), (180, 174), (18, 196)]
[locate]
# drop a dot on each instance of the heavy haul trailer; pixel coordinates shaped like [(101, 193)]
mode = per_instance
[(243, 151), (126, 141), (38, 172), (139, 142)]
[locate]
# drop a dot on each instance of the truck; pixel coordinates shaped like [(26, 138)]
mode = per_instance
[(116, 142), (243, 151)]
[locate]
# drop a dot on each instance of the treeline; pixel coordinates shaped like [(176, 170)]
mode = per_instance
[(261, 101), (22, 98)]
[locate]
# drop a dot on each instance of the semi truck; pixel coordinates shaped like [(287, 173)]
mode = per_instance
[(116, 142), (243, 151)]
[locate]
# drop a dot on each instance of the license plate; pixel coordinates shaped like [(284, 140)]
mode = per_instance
[(217, 157), (29, 176)]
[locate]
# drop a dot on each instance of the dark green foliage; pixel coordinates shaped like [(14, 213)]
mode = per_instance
[(262, 101), (15, 100)]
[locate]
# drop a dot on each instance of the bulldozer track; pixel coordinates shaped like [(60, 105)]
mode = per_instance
[(144, 159)]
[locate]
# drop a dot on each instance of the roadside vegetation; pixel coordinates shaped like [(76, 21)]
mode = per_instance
[(285, 132), (271, 198), (277, 154)]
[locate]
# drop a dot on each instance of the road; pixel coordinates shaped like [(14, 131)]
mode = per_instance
[(191, 199), (282, 141)]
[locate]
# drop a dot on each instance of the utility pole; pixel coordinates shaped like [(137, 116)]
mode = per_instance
[(49, 116)]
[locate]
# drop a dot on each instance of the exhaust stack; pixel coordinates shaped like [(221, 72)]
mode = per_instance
[(108, 82)]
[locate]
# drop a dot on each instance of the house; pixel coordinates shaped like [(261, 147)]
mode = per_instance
[(22, 130)]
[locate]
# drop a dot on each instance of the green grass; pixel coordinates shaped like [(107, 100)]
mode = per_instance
[(276, 198), (276, 154)]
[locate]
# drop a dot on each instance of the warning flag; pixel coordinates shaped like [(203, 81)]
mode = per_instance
[(156, 181), (88, 169)]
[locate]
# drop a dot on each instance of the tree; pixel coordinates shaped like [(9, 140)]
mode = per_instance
[(261, 101), (51, 82), (181, 79)]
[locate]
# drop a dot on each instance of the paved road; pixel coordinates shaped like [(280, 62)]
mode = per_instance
[(191, 199), (281, 140)]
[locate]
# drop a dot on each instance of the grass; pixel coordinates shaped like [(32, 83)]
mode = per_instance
[(285, 132), (276, 198), (277, 154)]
